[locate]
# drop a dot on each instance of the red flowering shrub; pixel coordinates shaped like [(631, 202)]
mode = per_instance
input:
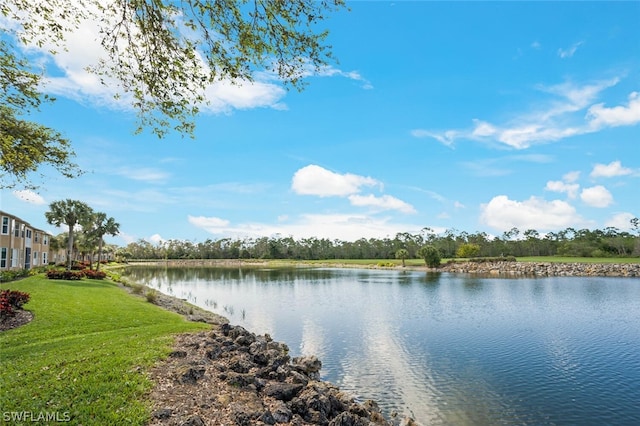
[(56, 274), (17, 298), (96, 275), (6, 310), (10, 300)]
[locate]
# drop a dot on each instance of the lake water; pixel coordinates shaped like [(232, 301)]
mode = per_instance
[(445, 349)]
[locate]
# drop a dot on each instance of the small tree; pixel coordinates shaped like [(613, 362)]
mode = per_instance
[(402, 254), (431, 255), (101, 226), (468, 250), (635, 224)]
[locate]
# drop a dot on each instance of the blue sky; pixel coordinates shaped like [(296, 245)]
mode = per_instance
[(474, 116)]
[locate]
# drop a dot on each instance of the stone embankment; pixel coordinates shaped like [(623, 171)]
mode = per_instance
[(544, 269), (230, 376)]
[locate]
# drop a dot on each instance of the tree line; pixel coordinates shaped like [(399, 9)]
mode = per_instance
[(608, 242)]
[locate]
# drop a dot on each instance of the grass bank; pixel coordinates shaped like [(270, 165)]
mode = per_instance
[(567, 259), (420, 262), (85, 354)]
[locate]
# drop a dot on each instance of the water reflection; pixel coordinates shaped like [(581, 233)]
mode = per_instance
[(447, 349)]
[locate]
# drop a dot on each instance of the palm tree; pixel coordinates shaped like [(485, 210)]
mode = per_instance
[(101, 226), (402, 254), (70, 213), (86, 244)]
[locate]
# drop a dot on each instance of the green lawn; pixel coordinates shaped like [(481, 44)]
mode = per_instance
[(85, 354), (561, 259), (420, 262)]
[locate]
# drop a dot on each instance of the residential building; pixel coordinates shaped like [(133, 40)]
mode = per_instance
[(21, 245)]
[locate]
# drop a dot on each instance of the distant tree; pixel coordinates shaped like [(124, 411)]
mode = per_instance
[(57, 243), (70, 213), (402, 254), (635, 224), (86, 243), (122, 254), (431, 255), (468, 250)]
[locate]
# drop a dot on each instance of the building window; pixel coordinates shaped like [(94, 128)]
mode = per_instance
[(35, 258), (37, 237), (44, 257), (3, 257), (5, 225), (28, 233), (45, 239)]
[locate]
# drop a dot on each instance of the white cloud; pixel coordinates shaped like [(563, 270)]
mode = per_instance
[(601, 116), (385, 202), (214, 225), (596, 196), (156, 239), (571, 176), (144, 174), (558, 186), (610, 170), (330, 71), (622, 221), (127, 238), (557, 119), (84, 50), (502, 214), (483, 128), (29, 197), (446, 138), (344, 227), (567, 184), (570, 51), (316, 180), (224, 96)]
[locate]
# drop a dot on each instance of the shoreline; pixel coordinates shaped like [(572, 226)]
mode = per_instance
[(490, 268), (229, 375)]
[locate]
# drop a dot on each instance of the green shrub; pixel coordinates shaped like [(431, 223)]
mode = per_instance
[(6, 276), (431, 255), (137, 288), (468, 250), (152, 296), (114, 276)]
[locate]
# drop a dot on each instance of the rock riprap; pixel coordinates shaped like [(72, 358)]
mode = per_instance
[(230, 376), (545, 269)]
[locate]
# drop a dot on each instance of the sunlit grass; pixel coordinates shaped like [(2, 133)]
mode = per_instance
[(85, 353), (567, 259), (420, 262)]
